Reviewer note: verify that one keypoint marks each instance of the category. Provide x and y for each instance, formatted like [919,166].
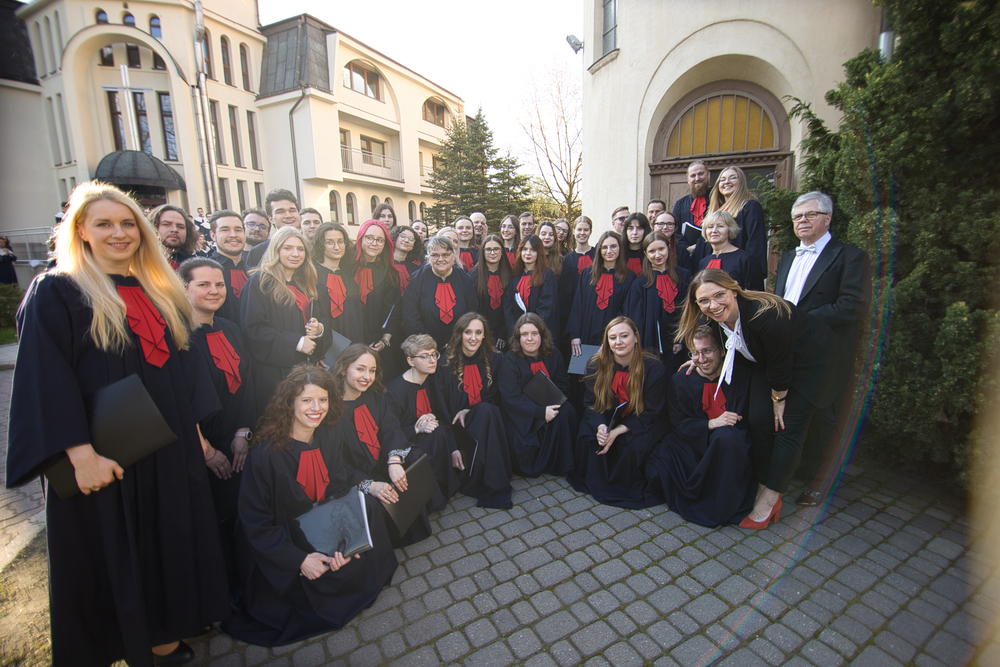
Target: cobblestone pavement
[887,575]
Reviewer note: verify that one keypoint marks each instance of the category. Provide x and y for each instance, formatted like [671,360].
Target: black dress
[739,264]
[704,475]
[235,275]
[541,300]
[138,563]
[337,298]
[432,305]
[618,477]
[281,606]
[370,433]
[550,449]
[656,310]
[489,482]
[492,306]
[408,402]
[8,274]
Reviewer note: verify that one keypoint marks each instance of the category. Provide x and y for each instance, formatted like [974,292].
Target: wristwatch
[246,433]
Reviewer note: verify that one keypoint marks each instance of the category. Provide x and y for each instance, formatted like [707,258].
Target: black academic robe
[587,320]
[408,402]
[682,213]
[370,460]
[489,481]
[177,257]
[543,301]
[424,312]
[739,264]
[280,605]
[257,253]
[492,307]
[337,298]
[633,258]
[703,475]
[469,257]
[8,274]
[549,450]
[236,276]
[271,332]
[656,318]
[753,233]
[568,281]
[137,563]
[380,305]
[618,477]
[412,266]
[578,262]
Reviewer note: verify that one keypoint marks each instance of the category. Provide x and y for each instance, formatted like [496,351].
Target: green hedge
[10,299]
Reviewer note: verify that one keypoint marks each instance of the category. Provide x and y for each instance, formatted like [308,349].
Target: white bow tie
[734,341]
[803,249]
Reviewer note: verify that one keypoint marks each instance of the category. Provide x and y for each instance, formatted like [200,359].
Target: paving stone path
[886,575]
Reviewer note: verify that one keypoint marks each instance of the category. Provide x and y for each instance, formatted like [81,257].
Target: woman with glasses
[540,437]
[731,193]
[511,235]
[337,293]
[411,400]
[533,287]
[563,235]
[492,275]
[719,229]
[409,249]
[439,294]
[378,286]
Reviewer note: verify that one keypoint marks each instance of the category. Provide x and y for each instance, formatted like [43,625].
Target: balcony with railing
[357,161]
[425,176]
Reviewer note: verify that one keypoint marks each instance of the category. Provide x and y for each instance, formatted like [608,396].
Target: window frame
[433,107]
[142,122]
[234,135]
[364,73]
[252,134]
[213,119]
[167,114]
[117,120]
[368,156]
[245,67]
[227,69]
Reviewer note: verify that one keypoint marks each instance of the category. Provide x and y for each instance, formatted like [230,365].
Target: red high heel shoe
[773,517]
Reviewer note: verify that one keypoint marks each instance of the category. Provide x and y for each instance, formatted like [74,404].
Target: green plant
[10,300]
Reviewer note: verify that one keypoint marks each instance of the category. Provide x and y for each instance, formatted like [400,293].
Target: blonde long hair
[75,259]
[735,204]
[272,281]
[604,373]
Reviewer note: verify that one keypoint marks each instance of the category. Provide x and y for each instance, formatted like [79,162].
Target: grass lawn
[7,335]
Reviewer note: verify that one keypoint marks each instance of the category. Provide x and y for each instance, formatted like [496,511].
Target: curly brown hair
[275,427]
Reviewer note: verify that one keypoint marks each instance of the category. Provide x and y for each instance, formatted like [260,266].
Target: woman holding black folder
[134,559]
[540,437]
[337,293]
[290,591]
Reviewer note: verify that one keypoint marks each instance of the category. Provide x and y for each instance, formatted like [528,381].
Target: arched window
[245,66]
[107,57]
[363,79]
[227,73]
[207,55]
[412,210]
[374,201]
[722,123]
[101,17]
[334,206]
[128,19]
[131,50]
[423,210]
[388,200]
[434,112]
[156,31]
[352,206]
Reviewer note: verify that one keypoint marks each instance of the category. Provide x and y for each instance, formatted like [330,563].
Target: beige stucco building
[667,81]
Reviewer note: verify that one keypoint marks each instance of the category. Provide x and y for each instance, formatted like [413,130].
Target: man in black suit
[691,209]
[826,278]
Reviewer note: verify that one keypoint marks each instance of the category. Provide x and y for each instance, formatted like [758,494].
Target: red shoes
[773,517]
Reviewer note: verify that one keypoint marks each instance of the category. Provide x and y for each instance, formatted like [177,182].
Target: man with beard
[257,228]
[310,220]
[691,209]
[283,211]
[176,232]
[227,232]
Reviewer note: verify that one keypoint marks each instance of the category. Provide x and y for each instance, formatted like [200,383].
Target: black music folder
[468,446]
[420,488]
[578,365]
[543,392]
[339,344]
[336,525]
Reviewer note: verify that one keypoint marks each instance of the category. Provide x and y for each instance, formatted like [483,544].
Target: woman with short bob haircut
[626,399]
[533,287]
[134,558]
[719,229]
[290,591]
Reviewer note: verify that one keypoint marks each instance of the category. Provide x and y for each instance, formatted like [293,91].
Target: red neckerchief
[713,405]
[225,359]
[667,290]
[367,430]
[363,277]
[404,276]
[585,261]
[620,385]
[423,403]
[605,289]
[635,265]
[301,300]
[466,256]
[472,384]
[173,264]
[313,476]
[338,294]
[444,299]
[237,279]
[511,256]
[145,322]
[539,366]
[524,289]
[714,263]
[495,289]
[698,206]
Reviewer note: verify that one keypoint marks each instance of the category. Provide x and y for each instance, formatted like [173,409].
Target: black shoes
[179,656]
[809,498]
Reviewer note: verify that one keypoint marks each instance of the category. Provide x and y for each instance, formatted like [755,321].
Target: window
[345,139]
[131,50]
[117,123]
[243,193]
[107,54]
[50,116]
[223,193]
[156,31]
[434,163]
[142,122]
[67,144]
[227,72]
[63,191]
[334,207]
[388,202]
[50,47]
[374,203]
[434,112]
[252,130]
[423,210]
[167,123]
[258,193]
[234,134]
[372,151]
[213,113]
[206,55]
[101,17]
[362,80]
[609,41]
[721,123]
[412,210]
[352,204]
[43,68]
[245,66]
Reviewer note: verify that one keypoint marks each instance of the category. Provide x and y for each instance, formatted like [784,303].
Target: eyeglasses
[718,298]
[373,240]
[491,251]
[621,218]
[334,244]
[444,255]
[808,215]
[428,356]
[707,352]
[256,225]
[404,239]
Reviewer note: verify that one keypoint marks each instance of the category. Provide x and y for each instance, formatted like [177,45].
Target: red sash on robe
[367,430]
[466,256]
[620,385]
[584,262]
[338,294]
[444,299]
[225,359]
[237,279]
[145,322]
[667,290]
[605,289]
[423,403]
[524,289]
[404,276]
[363,277]
[635,265]
[173,264]
[511,256]
[539,366]
[713,405]
[302,301]
[313,476]
[472,384]
[698,206]
[495,289]
[714,264]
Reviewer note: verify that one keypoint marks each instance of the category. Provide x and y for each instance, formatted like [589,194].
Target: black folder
[336,525]
[544,393]
[618,416]
[125,426]
[690,233]
[578,365]
[420,488]
[339,344]
[468,446]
